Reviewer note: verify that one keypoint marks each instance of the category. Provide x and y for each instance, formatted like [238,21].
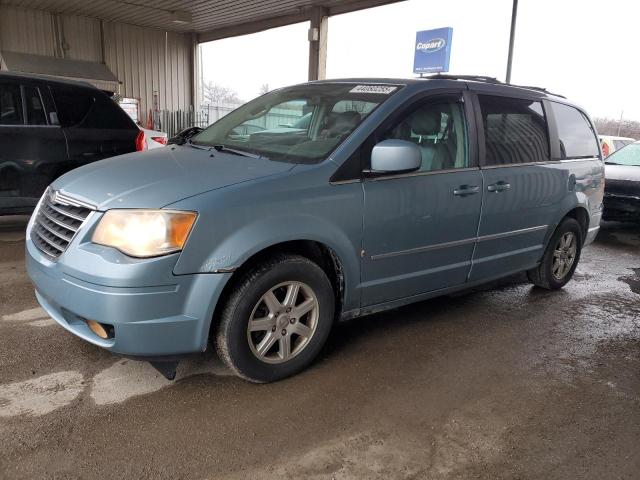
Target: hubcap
[564,255]
[283,322]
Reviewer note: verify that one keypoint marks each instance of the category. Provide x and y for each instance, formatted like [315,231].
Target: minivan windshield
[299,124]
[628,155]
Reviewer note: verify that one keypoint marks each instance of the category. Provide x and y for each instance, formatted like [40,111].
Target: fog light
[98,329]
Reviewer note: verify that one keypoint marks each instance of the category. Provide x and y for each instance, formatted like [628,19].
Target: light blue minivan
[393,191]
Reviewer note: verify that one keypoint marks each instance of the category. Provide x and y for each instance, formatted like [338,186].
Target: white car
[611,143]
[154,139]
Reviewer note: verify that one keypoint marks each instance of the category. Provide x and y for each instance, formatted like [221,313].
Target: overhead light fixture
[180,17]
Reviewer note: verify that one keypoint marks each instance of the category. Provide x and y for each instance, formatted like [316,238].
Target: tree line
[612,126]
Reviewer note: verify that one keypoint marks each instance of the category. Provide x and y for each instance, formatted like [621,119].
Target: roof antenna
[512,38]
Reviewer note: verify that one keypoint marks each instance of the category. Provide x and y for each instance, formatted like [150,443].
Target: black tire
[543,275]
[231,338]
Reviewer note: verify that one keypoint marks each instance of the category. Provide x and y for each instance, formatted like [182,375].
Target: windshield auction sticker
[381,89]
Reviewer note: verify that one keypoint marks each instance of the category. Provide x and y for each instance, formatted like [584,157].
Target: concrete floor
[502,382]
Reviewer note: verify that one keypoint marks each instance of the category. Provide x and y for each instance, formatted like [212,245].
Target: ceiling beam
[252,27]
[304,15]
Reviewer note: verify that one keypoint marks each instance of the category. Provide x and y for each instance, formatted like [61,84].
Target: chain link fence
[173,121]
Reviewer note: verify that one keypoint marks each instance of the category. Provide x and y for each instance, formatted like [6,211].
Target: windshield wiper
[223,148]
[197,145]
[611,163]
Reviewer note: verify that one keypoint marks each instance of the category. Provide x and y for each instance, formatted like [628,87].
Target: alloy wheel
[283,322]
[564,255]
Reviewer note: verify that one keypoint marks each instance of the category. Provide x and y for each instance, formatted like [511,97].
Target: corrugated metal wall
[147,61]
[26,31]
[150,62]
[81,36]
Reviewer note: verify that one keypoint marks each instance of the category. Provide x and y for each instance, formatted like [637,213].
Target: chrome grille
[57,221]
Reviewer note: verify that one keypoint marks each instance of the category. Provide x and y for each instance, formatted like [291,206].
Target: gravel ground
[506,382]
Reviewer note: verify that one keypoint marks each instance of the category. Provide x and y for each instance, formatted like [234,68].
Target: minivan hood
[162,176]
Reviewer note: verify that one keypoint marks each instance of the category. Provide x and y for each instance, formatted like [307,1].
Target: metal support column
[319,20]
[195,74]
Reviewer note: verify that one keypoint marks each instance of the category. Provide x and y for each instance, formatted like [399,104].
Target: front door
[420,228]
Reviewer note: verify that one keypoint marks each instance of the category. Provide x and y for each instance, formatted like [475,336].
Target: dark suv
[48,127]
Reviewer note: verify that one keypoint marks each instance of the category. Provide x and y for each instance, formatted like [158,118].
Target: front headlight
[144,233]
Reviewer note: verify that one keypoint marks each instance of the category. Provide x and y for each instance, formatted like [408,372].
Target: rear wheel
[276,320]
[561,257]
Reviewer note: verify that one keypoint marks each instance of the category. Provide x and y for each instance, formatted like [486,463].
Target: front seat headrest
[426,123]
[343,122]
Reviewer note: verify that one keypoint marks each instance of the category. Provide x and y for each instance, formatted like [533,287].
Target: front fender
[234,226]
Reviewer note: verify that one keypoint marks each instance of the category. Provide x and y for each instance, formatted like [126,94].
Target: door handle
[464,190]
[499,187]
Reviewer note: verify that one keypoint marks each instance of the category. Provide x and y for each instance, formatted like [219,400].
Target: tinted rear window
[577,138]
[105,113]
[515,130]
[85,109]
[10,105]
[72,105]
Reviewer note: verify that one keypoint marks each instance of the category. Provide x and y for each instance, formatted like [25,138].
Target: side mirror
[395,156]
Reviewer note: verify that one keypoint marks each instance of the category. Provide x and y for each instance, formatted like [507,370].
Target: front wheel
[560,258]
[276,320]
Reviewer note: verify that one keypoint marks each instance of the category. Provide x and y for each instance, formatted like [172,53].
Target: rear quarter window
[105,113]
[577,137]
[73,105]
[82,108]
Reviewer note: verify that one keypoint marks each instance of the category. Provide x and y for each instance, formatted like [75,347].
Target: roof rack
[477,78]
[485,79]
[539,89]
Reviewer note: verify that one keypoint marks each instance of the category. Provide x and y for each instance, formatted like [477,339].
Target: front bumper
[621,207]
[152,314]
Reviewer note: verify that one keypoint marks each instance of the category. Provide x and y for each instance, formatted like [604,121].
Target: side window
[10,105]
[35,110]
[72,105]
[577,138]
[515,130]
[620,143]
[439,130]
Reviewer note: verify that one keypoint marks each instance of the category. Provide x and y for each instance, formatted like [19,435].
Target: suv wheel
[561,257]
[276,320]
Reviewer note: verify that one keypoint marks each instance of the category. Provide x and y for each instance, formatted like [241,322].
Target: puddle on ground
[126,379]
[632,280]
[41,395]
